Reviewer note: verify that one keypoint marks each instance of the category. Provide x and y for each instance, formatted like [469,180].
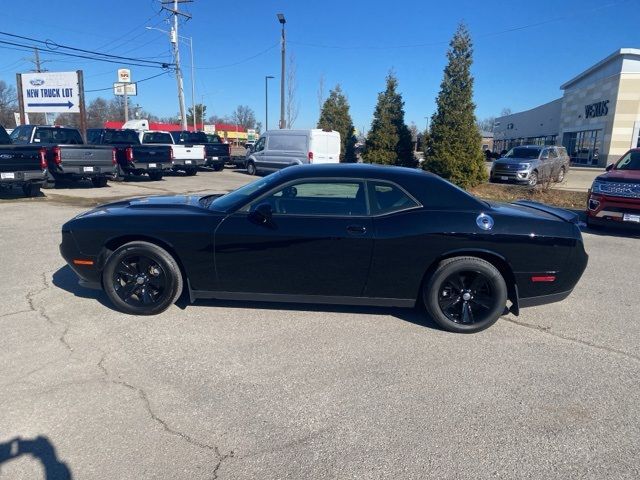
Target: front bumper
[89,276]
[609,210]
[511,176]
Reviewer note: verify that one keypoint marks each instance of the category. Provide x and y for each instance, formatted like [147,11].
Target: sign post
[83,111]
[124,77]
[20,99]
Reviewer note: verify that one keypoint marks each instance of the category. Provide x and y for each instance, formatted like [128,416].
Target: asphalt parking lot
[239,390]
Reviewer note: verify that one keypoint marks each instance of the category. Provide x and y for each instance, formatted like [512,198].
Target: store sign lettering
[599,109]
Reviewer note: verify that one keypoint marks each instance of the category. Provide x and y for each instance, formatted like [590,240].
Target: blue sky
[524,50]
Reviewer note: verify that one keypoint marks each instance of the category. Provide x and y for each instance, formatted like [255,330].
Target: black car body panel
[363,258]
[132,157]
[20,164]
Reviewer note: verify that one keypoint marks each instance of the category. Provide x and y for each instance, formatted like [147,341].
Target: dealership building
[597,119]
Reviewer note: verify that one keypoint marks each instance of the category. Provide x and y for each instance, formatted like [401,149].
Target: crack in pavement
[165,426]
[30,298]
[547,330]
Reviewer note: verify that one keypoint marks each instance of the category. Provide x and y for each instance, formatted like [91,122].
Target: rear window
[190,137]
[631,161]
[287,143]
[120,137]
[157,138]
[387,198]
[67,136]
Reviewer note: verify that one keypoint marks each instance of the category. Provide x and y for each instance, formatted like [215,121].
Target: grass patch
[550,196]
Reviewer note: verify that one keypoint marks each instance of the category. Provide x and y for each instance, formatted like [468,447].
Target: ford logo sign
[5,156]
[88,154]
[36,82]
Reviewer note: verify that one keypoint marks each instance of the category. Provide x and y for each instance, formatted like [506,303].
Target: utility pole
[266,102]
[176,53]
[282,21]
[38,69]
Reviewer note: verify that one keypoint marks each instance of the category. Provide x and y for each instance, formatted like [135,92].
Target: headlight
[524,166]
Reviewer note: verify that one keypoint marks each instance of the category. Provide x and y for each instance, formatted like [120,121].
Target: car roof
[352,170]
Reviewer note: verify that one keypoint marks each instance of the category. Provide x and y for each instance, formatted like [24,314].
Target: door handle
[357,229]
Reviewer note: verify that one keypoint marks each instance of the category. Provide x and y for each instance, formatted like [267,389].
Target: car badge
[36,82]
[484,221]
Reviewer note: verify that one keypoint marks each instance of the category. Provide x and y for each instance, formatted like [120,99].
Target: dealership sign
[49,92]
[598,109]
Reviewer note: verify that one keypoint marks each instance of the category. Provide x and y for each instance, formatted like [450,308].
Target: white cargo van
[276,149]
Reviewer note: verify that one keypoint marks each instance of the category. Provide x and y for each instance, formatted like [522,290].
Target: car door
[545,164]
[554,162]
[317,240]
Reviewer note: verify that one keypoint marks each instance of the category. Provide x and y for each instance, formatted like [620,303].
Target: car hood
[622,176]
[514,160]
[184,203]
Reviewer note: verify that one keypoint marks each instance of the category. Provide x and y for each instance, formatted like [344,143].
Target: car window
[260,145]
[523,152]
[631,161]
[553,153]
[324,198]
[386,198]
[93,136]
[21,134]
[288,143]
[157,138]
[121,137]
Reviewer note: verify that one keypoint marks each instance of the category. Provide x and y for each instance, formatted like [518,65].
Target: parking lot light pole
[282,21]
[266,101]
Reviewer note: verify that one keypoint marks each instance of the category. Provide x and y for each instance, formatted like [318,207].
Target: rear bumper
[189,162]
[216,161]
[87,171]
[150,166]
[25,177]
[607,210]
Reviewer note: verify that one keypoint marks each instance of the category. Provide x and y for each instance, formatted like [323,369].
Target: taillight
[114,157]
[129,154]
[310,157]
[42,154]
[57,156]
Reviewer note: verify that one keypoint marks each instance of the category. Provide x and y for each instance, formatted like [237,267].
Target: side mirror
[262,214]
[544,156]
[610,166]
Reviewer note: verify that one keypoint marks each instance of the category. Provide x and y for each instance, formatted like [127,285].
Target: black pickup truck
[21,165]
[132,157]
[216,153]
[67,156]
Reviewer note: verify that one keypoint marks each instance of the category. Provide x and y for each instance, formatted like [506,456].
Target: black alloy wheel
[141,278]
[465,294]
[251,168]
[191,171]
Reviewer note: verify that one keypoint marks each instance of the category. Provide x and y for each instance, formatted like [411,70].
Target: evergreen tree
[454,147]
[389,140]
[335,116]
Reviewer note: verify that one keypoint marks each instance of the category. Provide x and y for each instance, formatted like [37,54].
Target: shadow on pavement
[416,315]
[65,279]
[39,448]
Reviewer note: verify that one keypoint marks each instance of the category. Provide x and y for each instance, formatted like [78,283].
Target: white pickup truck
[186,158]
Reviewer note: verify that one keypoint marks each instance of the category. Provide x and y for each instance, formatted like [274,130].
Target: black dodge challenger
[342,234]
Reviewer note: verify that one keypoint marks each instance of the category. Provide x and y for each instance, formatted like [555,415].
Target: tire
[141,278]
[31,189]
[155,176]
[470,282]
[190,172]
[251,168]
[560,177]
[99,182]
[533,179]
[218,168]
[49,184]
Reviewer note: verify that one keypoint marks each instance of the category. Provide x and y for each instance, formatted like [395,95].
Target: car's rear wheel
[191,171]
[218,167]
[465,294]
[251,168]
[141,278]
[155,176]
[31,189]
[561,174]
[533,179]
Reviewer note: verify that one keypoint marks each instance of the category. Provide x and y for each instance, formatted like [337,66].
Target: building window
[583,146]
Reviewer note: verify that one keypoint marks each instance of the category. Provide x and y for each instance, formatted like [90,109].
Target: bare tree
[293,106]
[244,116]
[505,111]
[321,93]
[8,104]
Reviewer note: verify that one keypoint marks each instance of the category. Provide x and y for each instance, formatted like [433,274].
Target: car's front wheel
[465,294]
[560,176]
[141,278]
[251,168]
[533,179]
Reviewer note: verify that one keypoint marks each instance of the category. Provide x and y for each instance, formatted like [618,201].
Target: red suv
[614,197]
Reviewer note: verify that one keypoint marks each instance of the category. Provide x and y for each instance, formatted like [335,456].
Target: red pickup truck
[614,197]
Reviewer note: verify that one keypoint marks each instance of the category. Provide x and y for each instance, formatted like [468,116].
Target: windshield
[213,138]
[631,161]
[193,137]
[521,152]
[241,195]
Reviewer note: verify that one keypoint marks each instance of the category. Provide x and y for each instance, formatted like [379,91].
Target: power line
[240,61]
[139,81]
[53,48]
